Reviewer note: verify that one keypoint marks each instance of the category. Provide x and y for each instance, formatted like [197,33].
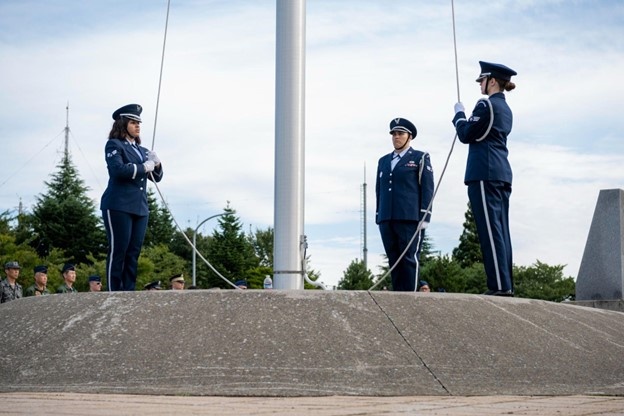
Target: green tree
[442,274]
[541,281]
[262,243]
[468,251]
[181,247]
[65,218]
[160,229]
[383,269]
[5,222]
[426,251]
[159,263]
[25,230]
[356,277]
[230,251]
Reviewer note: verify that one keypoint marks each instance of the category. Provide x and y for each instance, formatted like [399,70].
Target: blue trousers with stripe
[125,234]
[395,235]
[489,201]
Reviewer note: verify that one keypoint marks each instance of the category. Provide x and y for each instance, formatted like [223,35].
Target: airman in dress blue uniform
[124,202]
[488,172]
[404,190]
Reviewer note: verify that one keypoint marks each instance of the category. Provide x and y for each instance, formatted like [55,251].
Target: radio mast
[363,217]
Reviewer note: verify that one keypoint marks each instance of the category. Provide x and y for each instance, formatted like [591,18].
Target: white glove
[151,155]
[149,166]
[424,225]
[459,107]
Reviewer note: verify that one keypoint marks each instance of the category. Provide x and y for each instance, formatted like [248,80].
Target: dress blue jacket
[127,179]
[404,193]
[486,132]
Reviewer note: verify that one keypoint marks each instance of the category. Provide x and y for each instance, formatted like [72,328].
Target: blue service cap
[497,71]
[402,124]
[68,267]
[95,278]
[41,269]
[131,111]
[423,283]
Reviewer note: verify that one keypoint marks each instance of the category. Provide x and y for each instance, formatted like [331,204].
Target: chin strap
[406,140]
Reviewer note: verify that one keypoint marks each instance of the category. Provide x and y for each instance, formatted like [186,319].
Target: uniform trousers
[489,201]
[395,235]
[125,234]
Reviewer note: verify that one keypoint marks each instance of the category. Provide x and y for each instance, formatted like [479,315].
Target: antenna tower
[363,218]
[66,151]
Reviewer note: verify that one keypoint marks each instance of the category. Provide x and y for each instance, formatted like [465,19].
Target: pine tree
[65,217]
[160,229]
[468,251]
[230,252]
[356,277]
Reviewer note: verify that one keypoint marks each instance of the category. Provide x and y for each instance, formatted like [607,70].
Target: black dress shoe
[508,293]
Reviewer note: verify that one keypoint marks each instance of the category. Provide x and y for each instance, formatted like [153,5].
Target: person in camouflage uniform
[69,275]
[41,281]
[9,288]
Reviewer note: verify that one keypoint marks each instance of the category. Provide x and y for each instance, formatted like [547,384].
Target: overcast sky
[368,61]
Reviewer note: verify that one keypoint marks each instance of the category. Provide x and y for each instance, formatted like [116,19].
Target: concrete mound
[308,343]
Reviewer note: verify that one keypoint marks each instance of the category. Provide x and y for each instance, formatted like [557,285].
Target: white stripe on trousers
[489,228]
[111,248]
[417,262]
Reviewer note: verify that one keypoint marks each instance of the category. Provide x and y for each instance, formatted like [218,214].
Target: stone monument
[601,275]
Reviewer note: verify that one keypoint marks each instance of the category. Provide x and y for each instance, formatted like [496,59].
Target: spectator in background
[177,282]
[69,275]
[9,288]
[424,286]
[155,285]
[241,284]
[39,288]
[95,283]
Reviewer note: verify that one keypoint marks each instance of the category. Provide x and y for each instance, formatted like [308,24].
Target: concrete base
[312,343]
[610,305]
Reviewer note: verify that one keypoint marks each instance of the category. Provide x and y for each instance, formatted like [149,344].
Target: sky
[367,62]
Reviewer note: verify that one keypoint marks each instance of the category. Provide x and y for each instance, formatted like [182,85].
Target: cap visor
[400,128]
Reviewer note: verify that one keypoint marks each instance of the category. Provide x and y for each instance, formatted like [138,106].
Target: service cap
[11,265]
[131,111]
[177,278]
[498,71]
[402,124]
[155,285]
[41,269]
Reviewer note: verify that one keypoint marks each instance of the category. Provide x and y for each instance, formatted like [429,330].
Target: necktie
[395,160]
[138,152]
